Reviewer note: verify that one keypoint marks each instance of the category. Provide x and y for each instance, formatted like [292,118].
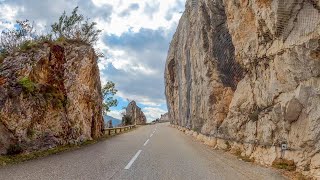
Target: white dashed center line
[132,160]
[138,153]
[146,142]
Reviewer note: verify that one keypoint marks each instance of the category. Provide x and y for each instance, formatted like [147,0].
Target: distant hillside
[115,121]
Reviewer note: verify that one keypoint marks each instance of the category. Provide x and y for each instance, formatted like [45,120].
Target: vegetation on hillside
[73,28]
[126,120]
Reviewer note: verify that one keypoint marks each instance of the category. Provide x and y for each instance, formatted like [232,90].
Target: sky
[135,40]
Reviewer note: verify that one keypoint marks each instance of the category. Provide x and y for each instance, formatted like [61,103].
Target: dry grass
[15,159]
[243,158]
[5,160]
[284,164]
[296,176]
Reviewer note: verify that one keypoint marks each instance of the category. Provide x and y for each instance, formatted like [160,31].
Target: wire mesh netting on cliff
[286,25]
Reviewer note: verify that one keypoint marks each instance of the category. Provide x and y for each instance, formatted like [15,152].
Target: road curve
[149,152]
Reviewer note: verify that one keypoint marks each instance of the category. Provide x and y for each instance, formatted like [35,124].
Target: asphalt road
[149,152]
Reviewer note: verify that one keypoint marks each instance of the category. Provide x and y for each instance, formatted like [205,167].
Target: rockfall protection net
[294,20]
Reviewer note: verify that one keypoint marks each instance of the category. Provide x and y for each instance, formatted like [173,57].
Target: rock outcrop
[136,115]
[164,117]
[50,95]
[248,73]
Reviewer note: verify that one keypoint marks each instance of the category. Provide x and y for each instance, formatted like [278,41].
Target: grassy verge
[15,159]
[243,158]
[284,164]
[296,175]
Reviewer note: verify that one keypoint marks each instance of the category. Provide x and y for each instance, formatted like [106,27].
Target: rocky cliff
[248,74]
[50,95]
[164,117]
[135,113]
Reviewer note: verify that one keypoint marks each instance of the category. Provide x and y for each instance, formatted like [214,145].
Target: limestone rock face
[137,116]
[164,117]
[201,72]
[49,96]
[270,92]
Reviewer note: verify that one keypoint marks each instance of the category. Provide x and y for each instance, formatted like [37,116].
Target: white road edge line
[146,142]
[151,135]
[132,160]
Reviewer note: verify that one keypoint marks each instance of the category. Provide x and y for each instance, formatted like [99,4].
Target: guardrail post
[118,130]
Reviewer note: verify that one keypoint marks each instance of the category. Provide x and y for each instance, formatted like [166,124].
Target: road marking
[132,160]
[153,132]
[146,142]
[151,135]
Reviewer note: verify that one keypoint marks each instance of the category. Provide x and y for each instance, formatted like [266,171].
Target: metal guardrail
[117,130]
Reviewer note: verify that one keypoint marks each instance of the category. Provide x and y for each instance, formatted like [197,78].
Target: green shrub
[31,133]
[27,85]
[74,27]
[3,55]
[284,164]
[45,38]
[12,39]
[243,158]
[246,159]
[126,120]
[27,45]
[196,129]
[61,40]
[14,149]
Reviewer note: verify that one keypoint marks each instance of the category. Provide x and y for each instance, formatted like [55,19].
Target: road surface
[149,152]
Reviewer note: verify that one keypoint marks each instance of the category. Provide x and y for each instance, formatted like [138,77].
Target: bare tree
[75,27]
[12,39]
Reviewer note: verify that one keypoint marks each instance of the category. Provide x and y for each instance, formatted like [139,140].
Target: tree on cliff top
[75,27]
[108,91]
[23,36]
[12,39]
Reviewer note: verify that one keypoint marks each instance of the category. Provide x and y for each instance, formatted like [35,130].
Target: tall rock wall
[50,95]
[201,71]
[135,113]
[248,72]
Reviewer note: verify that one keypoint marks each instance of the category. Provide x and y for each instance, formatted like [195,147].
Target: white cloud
[140,18]
[144,100]
[116,114]
[7,12]
[153,113]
